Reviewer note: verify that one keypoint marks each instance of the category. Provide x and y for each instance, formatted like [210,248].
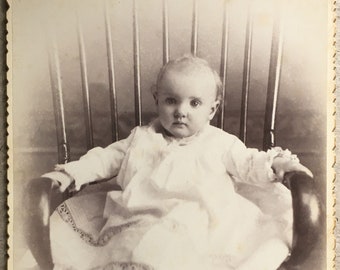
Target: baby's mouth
[179,123]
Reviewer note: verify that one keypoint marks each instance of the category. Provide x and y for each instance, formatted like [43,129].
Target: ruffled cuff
[262,170]
[60,179]
[278,152]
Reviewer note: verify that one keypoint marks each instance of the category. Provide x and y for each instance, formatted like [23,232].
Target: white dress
[178,208]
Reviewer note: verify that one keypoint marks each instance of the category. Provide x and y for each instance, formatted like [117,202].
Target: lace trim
[125,266]
[102,240]
[114,266]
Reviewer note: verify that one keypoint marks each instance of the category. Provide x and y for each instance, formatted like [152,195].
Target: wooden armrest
[40,201]
[307,217]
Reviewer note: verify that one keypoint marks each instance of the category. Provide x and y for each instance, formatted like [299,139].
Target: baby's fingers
[299,168]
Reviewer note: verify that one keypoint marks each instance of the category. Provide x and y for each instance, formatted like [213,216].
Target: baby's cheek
[167,112]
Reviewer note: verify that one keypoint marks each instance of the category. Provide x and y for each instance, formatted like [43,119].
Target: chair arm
[306,216]
[40,199]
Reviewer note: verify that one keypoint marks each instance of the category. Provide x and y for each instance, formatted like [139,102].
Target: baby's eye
[170,101]
[195,103]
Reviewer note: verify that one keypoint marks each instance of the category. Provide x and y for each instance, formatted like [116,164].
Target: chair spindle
[58,102]
[223,68]
[137,83]
[194,29]
[273,84]
[112,85]
[246,78]
[85,87]
[166,50]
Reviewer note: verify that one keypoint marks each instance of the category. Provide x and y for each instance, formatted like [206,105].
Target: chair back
[273,84]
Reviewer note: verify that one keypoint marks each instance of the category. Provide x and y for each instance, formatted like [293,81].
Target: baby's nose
[181,111]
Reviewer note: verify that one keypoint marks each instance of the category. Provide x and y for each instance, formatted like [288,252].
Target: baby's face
[186,102]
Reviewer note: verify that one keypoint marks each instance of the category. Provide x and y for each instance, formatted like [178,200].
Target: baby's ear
[154,93]
[214,108]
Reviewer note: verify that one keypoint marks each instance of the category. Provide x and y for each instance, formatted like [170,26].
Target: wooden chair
[43,199]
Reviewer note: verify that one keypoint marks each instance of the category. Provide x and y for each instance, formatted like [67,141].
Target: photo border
[333,186]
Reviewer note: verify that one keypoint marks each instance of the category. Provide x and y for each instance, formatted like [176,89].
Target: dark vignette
[3,133]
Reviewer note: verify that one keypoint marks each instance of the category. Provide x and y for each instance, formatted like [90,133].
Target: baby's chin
[179,133]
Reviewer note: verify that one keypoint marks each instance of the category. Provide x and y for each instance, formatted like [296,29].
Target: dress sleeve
[98,163]
[251,165]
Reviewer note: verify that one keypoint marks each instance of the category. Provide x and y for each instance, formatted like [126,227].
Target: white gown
[204,202]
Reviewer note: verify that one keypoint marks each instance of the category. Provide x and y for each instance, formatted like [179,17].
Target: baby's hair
[188,63]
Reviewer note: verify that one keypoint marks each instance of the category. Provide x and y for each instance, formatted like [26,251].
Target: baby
[178,208]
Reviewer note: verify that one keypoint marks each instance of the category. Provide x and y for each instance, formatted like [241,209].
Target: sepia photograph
[170,134]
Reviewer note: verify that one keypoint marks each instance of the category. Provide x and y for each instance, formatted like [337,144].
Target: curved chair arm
[40,199]
[307,217]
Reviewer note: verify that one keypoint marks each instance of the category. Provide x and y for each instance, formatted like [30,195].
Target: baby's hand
[281,165]
[59,179]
